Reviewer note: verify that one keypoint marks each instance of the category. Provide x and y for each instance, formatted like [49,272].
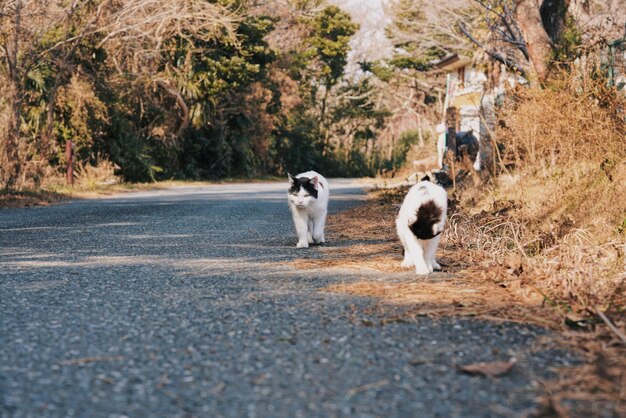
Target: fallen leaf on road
[85,360]
[491,369]
[217,388]
[366,387]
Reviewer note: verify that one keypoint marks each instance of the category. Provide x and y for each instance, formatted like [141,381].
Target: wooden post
[69,158]
[420,134]
[451,125]
[451,145]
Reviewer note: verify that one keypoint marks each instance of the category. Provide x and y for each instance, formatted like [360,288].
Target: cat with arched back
[308,200]
[420,223]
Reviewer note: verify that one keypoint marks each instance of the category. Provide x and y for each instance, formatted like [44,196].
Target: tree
[35,34]
[42,44]
[331,32]
[526,35]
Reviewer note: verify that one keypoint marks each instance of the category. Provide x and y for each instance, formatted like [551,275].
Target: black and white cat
[420,223]
[308,200]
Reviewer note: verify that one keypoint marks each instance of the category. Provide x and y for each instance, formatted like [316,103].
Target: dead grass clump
[94,176]
[546,128]
[568,269]
[559,206]
[567,148]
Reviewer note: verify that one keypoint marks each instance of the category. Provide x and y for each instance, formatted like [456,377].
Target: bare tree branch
[493,54]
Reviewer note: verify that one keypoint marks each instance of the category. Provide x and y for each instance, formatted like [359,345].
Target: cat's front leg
[416,253]
[318,229]
[408,261]
[301,223]
[429,252]
[402,231]
[421,269]
[309,233]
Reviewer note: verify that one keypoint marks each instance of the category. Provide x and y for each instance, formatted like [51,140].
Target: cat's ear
[315,182]
[291,179]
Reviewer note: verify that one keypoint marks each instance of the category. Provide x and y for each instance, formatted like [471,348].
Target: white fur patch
[420,253]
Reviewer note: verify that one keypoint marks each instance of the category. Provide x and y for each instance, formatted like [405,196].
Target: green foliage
[381,70]
[332,30]
[214,79]
[296,144]
[405,142]
[566,48]
[410,62]
[412,54]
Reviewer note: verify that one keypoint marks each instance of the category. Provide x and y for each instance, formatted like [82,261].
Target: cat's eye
[307,195]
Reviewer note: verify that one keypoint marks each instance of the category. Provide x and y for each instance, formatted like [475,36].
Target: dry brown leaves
[492,369]
[599,382]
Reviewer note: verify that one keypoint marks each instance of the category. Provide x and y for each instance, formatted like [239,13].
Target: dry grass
[564,201]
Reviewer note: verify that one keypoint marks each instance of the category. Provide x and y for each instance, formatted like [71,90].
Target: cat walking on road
[420,223]
[308,200]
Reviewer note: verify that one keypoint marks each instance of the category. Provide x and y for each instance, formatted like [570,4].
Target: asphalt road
[176,303]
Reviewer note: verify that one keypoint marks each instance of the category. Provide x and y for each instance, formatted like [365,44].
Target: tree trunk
[46,137]
[528,16]
[12,163]
[322,120]
[13,99]
[552,16]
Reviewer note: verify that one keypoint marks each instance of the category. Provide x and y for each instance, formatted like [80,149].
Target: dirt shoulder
[58,194]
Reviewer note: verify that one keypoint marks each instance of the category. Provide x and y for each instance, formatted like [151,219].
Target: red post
[69,158]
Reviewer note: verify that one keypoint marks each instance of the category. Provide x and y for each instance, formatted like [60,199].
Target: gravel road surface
[178,303]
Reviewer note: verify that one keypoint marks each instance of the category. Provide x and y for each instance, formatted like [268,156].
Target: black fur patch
[467,143]
[427,215]
[303,182]
[425,178]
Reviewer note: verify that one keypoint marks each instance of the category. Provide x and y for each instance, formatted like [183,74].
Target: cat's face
[302,191]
